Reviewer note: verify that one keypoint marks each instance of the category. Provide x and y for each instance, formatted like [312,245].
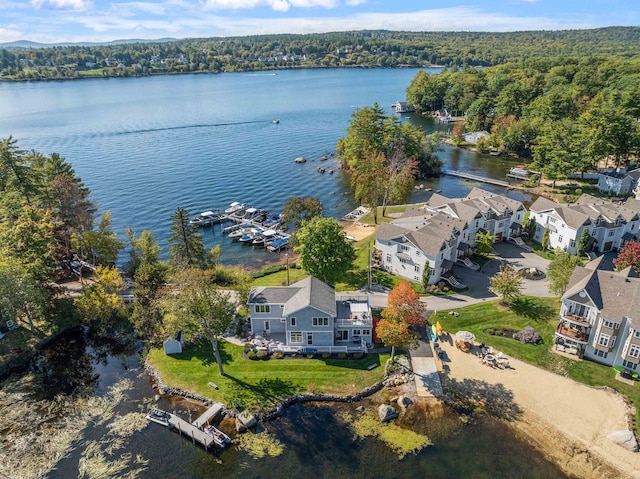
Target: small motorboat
[234,207]
[275,121]
[242,230]
[205,218]
[278,244]
[159,416]
[271,221]
[219,437]
[248,238]
[264,238]
[300,159]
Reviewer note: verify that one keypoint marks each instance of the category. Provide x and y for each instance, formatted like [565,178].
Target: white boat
[278,244]
[159,416]
[233,207]
[264,238]
[242,230]
[219,437]
[250,214]
[205,218]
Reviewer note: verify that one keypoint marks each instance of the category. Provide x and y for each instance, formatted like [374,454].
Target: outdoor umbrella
[465,336]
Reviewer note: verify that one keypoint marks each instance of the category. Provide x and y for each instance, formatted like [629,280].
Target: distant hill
[27,44]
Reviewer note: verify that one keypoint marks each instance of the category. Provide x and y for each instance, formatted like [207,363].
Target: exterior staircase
[517,240]
[469,264]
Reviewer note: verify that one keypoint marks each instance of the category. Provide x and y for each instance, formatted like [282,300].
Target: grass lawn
[368,218]
[280,278]
[256,383]
[542,315]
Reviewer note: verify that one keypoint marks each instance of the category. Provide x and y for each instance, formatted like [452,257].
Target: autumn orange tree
[404,309]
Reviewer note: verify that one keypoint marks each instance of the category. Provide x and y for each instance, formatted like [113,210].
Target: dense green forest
[565,114]
[346,49]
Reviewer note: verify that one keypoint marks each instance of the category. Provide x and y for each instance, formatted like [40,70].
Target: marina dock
[482,179]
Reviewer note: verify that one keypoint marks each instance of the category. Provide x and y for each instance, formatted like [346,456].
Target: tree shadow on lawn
[361,364]
[203,351]
[494,398]
[533,309]
[266,392]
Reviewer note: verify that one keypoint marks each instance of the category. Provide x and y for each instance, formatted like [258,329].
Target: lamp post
[286,255]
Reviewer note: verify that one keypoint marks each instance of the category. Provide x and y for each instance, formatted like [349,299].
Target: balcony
[577,334]
[576,319]
[356,321]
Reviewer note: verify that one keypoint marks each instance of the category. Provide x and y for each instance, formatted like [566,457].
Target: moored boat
[219,437]
[241,230]
[264,238]
[278,243]
[159,416]
[205,218]
[234,207]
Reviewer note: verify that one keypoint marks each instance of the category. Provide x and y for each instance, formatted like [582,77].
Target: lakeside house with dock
[426,243]
[309,315]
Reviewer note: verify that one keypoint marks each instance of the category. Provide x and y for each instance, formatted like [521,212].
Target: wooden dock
[185,429]
[471,176]
[210,413]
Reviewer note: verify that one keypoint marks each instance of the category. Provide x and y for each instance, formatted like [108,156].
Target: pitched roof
[425,237]
[307,292]
[615,294]
[543,204]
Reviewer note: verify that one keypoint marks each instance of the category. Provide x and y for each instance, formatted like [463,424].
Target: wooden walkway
[212,412]
[185,429]
[471,176]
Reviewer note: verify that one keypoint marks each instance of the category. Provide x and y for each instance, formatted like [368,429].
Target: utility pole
[286,255]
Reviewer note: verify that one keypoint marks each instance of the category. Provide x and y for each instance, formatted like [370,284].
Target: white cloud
[355,3]
[133,8]
[10,34]
[277,5]
[78,5]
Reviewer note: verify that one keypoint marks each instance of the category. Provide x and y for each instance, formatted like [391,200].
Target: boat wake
[179,127]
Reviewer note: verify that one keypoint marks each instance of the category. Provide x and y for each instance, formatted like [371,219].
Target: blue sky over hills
[51,21]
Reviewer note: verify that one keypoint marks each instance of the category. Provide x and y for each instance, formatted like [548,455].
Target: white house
[610,225]
[308,314]
[173,346]
[600,316]
[618,181]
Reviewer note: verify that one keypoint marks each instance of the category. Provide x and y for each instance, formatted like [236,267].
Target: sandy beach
[569,420]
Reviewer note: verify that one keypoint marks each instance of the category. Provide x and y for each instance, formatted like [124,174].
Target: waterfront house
[426,243]
[473,137]
[309,314]
[618,181]
[402,107]
[610,225]
[600,316]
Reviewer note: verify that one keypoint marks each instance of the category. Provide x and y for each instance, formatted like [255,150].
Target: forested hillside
[345,49]
[566,114]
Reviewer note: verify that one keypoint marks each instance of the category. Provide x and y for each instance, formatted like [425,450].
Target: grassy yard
[368,218]
[541,314]
[280,278]
[258,383]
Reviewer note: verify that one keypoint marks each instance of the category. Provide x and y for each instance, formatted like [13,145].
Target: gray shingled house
[309,314]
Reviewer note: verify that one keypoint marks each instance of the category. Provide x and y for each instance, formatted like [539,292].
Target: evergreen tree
[186,248]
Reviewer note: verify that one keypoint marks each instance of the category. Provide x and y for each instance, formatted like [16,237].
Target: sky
[51,21]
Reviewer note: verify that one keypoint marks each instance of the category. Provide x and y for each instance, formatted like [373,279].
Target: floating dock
[471,176]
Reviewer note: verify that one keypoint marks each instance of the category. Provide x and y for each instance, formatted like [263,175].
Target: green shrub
[311,356]
[262,354]
[342,355]
[278,355]
[252,355]
[326,355]
[358,355]
[578,191]
[270,269]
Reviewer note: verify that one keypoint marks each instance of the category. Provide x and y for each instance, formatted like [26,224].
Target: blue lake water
[148,145]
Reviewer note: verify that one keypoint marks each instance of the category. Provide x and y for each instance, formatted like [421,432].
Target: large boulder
[404,402]
[387,413]
[245,420]
[625,439]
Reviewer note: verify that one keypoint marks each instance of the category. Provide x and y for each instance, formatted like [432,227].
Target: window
[417,278]
[404,260]
[320,321]
[629,365]
[560,239]
[637,334]
[634,351]
[611,233]
[417,268]
[267,326]
[388,258]
[633,225]
[295,337]
[366,332]
[552,220]
[356,332]
[500,224]
[602,354]
[263,308]
[604,340]
[293,322]
[404,247]
[609,324]
[477,222]
[342,335]
[309,338]
[572,243]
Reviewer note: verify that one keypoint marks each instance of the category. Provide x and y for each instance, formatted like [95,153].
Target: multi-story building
[425,243]
[600,316]
[309,314]
[610,224]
